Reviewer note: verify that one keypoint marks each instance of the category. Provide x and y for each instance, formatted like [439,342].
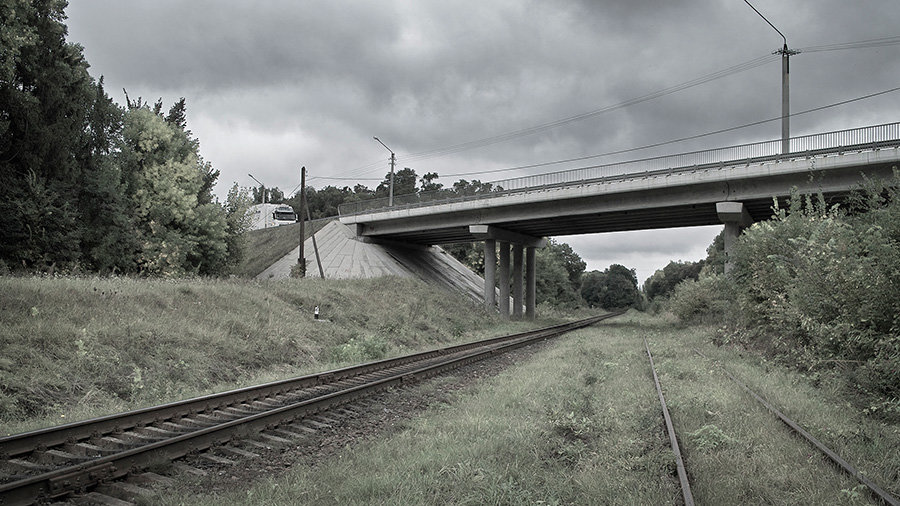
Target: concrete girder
[483,232]
[533,212]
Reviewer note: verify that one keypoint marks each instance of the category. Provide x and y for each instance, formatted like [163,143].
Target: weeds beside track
[58,461]
[840,463]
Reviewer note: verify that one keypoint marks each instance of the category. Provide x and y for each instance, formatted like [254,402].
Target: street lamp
[265,218]
[393,159]
[785,85]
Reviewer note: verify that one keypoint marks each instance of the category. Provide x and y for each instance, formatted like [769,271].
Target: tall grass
[575,425]
[579,423]
[72,348]
[265,246]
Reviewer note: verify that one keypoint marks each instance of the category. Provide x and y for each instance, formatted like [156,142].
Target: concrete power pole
[785,96]
[785,85]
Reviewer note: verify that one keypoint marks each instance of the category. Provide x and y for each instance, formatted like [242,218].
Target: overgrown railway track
[59,461]
[684,482]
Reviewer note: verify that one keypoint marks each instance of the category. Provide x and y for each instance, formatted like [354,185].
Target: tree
[109,242]
[615,287]
[404,183]
[553,285]
[272,195]
[571,262]
[179,232]
[428,183]
[715,254]
[475,187]
[46,94]
[593,288]
[662,282]
[237,221]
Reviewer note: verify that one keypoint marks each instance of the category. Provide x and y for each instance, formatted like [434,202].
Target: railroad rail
[673,439]
[59,461]
[841,463]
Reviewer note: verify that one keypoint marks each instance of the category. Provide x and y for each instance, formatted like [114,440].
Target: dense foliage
[662,283]
[90,185]
[818,285]
[615,287]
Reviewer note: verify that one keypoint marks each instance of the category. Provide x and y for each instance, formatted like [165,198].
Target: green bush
[823,286]
[706,300]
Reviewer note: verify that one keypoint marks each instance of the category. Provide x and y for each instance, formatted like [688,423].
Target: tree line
[89,185]
[324,202]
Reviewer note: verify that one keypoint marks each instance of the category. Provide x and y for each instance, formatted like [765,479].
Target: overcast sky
[275,85]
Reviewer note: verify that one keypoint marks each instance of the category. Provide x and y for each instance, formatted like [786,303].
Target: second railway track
[58,461]
[841,464]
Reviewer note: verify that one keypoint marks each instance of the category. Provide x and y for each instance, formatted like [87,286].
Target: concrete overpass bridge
[733,185]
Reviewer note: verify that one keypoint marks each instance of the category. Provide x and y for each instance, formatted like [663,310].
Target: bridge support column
[529,283]
[504,279]
[736,218]
[523,245]
[517,281]
[490,269]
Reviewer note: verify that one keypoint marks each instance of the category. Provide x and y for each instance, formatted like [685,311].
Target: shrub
[823,286]
[707,300]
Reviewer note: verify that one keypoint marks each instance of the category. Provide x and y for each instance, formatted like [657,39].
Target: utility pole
[302,260]
[785,96]
[393,160]
[785,85]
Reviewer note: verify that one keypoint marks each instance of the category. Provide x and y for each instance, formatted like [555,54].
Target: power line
[884,41]
[455,148]
[880,42]
[673,141]
[756,62]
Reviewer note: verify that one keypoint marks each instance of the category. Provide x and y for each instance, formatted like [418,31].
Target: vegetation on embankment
[73,348]
[819,287]
[266,246]
[580,423]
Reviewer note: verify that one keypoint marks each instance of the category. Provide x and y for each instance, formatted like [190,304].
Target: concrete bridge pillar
[529,283]
[523,268]
[504,279]
[736,218]
[517,281]
[490,269]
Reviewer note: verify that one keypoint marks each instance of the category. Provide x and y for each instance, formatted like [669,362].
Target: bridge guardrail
[871,137]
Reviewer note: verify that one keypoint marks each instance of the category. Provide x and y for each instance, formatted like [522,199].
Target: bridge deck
[661,198]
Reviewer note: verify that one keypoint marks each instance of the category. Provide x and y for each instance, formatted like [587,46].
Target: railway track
[59,461]
[684,482]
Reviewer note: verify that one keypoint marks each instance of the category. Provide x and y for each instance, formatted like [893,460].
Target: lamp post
[393,160]
[265,220]
[785,85]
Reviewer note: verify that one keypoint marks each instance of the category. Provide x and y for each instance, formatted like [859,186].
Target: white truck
[271,215]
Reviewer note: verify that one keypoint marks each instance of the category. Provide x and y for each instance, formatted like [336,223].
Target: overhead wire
[672,141]
[353,174]
[879,42]
[756,62]
[476,143]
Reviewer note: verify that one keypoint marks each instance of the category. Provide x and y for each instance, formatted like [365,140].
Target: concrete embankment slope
[343,256]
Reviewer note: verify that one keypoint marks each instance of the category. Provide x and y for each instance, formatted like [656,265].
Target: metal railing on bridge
[855,139]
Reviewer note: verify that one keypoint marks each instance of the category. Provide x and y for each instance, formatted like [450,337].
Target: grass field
[579,423]
[74,348]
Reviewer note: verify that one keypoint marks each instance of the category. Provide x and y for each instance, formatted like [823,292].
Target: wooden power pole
[302,260]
